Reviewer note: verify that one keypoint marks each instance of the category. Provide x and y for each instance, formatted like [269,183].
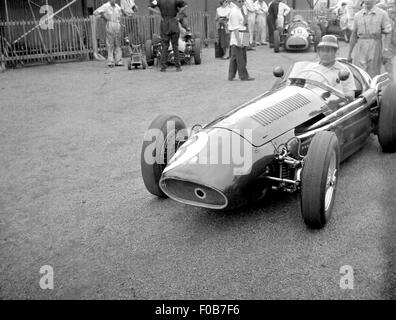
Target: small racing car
[298,35]
[137,56]
[292,138]
[189,49]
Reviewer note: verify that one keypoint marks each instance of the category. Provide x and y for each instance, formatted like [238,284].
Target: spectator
[111,13]
[239,42]
[283,11]
[387,60]
[261,19]
[342,15]
[251,19]
[367,48]
[222,17]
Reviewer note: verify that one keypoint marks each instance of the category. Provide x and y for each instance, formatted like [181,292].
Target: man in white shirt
[283,11]
[261,19]
[111,13]
[251,16]
[330,68]
[238,59]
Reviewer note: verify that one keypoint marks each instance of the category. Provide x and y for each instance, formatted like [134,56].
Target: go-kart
[298,35]
[137,56]
[291,138]
[189,48]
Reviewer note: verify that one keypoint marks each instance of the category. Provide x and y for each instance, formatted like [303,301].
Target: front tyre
[148,46]
[387,119]
[319,179]
[165,131]
[197,51]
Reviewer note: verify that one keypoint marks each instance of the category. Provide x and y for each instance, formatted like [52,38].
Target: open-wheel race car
[189,48]
[298,35]
[292,138]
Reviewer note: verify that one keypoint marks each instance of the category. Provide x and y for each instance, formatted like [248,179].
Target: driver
[330,68]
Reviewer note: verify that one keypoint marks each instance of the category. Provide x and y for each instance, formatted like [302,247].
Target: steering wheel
[317,72]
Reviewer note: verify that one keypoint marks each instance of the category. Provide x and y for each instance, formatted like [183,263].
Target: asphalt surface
[72,197]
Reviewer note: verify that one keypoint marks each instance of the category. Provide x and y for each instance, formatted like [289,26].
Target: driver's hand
[349,58]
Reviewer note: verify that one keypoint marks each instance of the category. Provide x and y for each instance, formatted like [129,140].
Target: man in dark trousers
[273,10]
[169,29]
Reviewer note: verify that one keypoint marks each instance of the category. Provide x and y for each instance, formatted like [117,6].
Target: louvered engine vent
[280,109]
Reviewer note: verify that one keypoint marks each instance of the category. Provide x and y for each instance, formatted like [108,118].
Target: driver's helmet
[329,40]
[298,18]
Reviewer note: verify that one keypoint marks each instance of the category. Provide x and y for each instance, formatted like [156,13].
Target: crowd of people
[241,25]
[244,24]
[261,19]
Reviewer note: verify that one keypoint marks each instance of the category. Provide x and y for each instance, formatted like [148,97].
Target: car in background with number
[298,35]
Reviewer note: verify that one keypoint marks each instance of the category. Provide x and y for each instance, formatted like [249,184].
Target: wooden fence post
[96,54]
[2,63]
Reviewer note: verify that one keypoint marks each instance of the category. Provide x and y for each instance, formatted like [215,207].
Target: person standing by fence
[367,48]
[239,42]
[170,31]
[129,9]
[223,34]
[388,60]
[261,20]
[251,18]
[342,15]
[111,13]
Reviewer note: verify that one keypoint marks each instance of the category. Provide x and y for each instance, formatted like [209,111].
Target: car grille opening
[193,193]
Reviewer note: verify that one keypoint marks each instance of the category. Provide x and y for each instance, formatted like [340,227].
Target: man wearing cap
[329,67]
[366,49]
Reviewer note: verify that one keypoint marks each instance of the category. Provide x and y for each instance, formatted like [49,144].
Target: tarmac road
[72,197]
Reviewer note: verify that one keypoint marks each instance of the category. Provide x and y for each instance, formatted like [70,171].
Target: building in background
[28,9]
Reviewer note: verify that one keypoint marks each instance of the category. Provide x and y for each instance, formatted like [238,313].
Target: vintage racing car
[292,137]
[297,36]
[189,48]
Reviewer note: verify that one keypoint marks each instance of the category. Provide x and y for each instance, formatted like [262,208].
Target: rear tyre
[276,40]
[387,120]
[197,51]
[149,52]
[155,154]
[319,179]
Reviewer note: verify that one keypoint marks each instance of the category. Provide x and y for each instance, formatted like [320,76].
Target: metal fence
[25,42]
